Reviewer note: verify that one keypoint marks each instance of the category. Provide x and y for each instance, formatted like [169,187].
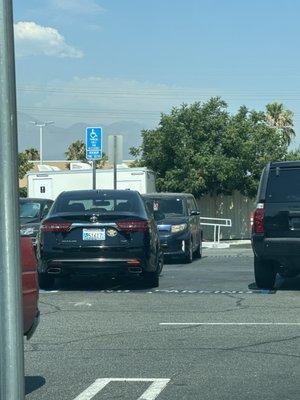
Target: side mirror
[194,213]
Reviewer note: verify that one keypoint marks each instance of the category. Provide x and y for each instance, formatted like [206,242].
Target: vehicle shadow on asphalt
[281,284]
[179,261]
[98,284]
[33,383]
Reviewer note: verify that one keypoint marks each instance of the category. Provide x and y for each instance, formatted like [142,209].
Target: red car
[30,286]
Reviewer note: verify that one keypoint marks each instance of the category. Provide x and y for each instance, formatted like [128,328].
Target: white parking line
[156,387]
[230,323]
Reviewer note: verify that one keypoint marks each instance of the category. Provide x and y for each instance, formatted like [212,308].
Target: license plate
[93,234]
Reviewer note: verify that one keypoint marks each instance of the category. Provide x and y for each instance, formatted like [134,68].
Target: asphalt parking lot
[205,333]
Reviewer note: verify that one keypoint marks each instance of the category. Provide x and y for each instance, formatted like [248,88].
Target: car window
[95,202]
[191,205]
[169,206]
[283,185]
[30,210]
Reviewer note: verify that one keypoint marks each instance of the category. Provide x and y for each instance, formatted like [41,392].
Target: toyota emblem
[94,218]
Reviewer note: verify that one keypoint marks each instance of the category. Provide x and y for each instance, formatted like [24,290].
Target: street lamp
[41,126]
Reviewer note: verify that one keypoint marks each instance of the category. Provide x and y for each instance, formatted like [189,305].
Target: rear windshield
[99,202]
[283,185]
[169,206]
[30,210]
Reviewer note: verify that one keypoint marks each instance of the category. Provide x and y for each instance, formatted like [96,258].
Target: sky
[108,61]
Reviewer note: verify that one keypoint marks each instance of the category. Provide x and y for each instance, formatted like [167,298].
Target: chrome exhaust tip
[54,270]
[135,270]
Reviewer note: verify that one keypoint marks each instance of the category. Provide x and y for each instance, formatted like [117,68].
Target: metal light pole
[11,322]
[41,126]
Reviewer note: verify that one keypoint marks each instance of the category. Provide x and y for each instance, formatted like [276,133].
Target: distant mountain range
[56,139]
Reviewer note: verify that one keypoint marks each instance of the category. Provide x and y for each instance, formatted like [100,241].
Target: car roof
[285,164]
[90,191]
[33,199]
[167,194]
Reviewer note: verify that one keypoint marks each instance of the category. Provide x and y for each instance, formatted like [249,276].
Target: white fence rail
[217,223]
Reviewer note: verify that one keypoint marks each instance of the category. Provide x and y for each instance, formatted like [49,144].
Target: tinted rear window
[99,202]
[283,185]
[169,206]
[29,210]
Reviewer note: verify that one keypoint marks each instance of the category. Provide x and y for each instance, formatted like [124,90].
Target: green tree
[201,148]
[24,164]
[33,154]
[77,151]
[282,119]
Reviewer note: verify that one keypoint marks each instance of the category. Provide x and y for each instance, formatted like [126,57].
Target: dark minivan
[178,221]
[276,223]
[99,232]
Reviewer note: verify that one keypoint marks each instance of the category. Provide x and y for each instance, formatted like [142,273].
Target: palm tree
[281,118]
[32,154]
[76,151]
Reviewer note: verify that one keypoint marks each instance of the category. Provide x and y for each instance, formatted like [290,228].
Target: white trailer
[51,183]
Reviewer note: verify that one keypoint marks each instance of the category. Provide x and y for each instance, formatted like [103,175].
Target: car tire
[151,279]
[188,257]
[265,273]
[198,252]
[46,281]
[160,262]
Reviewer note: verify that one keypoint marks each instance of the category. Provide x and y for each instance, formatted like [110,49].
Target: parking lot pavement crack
[53,306]
[266,342]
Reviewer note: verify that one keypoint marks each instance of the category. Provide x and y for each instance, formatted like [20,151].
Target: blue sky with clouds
[138,58]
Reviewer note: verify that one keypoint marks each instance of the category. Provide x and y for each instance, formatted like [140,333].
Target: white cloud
[33,39]
[79,6]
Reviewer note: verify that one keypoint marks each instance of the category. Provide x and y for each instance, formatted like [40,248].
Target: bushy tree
[202,148]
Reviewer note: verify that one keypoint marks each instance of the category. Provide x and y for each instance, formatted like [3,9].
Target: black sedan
[99,232]
[32,211]
[178,220]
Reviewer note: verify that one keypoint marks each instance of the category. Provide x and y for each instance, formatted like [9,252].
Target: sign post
[94,148]
[11,321]
[115,153]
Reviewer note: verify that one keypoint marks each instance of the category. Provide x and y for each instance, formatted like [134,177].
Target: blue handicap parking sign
[93,143]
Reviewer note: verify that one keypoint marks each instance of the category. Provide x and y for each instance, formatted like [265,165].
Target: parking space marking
[156,387]
[199,291]
[230,323]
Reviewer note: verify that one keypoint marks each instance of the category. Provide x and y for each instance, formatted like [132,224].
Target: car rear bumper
[97,261]
[35,324]
[276,248]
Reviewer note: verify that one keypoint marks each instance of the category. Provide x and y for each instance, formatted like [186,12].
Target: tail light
[259,219]
[133,262]
[52,226]
[133,226]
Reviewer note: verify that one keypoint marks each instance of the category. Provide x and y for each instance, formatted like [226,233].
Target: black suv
[178,221]
[276,223]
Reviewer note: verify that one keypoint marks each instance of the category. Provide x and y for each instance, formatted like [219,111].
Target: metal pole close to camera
[115,162]
[11,321]
[94,175]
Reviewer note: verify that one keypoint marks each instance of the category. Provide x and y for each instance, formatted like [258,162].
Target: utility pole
[11,321]
[41,126]
[115,162]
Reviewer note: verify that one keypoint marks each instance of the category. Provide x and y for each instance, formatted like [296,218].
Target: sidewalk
[225,244]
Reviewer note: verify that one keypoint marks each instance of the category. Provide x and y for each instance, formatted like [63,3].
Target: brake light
[133,226]
[51,226]
[259,219]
